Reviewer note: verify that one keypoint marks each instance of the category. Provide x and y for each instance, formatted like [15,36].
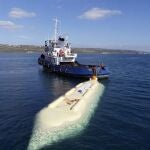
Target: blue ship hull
[76,70]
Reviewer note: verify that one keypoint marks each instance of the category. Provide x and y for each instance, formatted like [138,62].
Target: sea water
[121,119]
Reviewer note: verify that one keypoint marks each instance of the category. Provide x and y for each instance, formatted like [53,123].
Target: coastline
[34,48]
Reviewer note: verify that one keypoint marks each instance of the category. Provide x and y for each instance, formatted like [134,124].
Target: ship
[58,57]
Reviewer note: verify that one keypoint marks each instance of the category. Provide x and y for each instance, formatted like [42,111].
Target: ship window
[57,46]
[68,58]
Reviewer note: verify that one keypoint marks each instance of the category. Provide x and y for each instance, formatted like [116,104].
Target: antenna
[60,27]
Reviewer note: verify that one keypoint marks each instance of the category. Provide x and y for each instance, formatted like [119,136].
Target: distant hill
[28,48]
[105,51]
[19,48]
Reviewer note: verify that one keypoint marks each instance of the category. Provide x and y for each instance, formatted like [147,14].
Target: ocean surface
[121,120]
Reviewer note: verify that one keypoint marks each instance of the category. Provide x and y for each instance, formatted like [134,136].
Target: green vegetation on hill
[19,48]
[104,51]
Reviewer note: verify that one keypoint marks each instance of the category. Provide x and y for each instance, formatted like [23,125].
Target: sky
[116,24]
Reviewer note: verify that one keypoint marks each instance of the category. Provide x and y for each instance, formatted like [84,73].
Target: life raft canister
[61,53]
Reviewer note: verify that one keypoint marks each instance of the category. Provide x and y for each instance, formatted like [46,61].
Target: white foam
[43,132]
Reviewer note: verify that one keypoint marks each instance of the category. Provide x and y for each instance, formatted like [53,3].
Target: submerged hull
[67,116]
[76,70]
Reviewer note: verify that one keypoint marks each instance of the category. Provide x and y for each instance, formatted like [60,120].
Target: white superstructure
[58,50]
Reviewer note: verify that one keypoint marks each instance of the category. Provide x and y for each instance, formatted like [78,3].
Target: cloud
[9,25]
[20,13]
[99,13]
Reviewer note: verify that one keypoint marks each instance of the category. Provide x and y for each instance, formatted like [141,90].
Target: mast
[56,25]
